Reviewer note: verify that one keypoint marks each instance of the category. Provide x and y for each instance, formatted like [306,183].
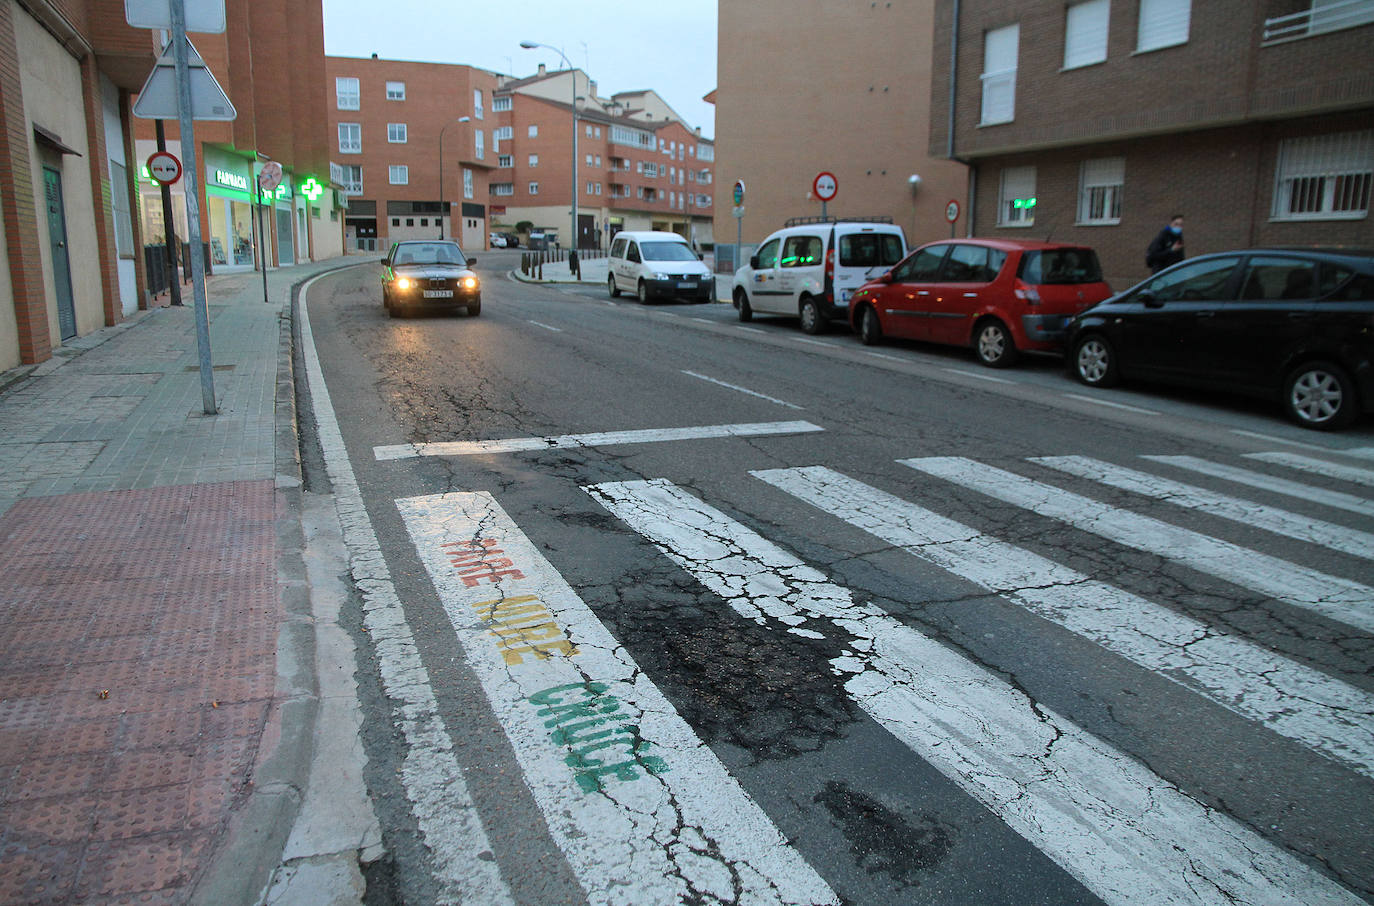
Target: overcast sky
[669,47]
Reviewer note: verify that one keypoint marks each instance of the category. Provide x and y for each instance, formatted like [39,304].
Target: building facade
[806,86]
[1096,121]
[396,128]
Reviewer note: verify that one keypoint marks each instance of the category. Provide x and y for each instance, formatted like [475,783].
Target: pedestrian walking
[1166,248]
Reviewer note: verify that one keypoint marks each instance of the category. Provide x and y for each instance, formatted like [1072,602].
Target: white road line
[545,326]
[1271,519]
[602,439]
[1269,438]
[1334,598]
[464,869]
[643,810]
[980,376]
[703,321]
[1337,499]
[882,355]
[1357,452]
[751,329]
[1102,402]
[609,302]
[813,342]
[1102,815]
[744,390]
[1324,714]
[1353,474]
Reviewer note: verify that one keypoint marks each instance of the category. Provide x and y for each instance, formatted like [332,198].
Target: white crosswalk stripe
[1107,819]
[1335,598]
[1317,467]
[1327,715]
[1336,499]
[1271,519]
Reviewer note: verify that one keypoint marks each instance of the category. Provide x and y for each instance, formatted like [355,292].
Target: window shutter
[1085,33]
[999,74]
[1163,23]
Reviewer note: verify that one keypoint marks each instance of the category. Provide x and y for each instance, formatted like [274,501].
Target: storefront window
[241,219]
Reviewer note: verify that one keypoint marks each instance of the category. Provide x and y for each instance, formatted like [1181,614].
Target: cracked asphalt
[776,666]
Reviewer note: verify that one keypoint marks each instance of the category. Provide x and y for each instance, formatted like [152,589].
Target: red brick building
[1095,121]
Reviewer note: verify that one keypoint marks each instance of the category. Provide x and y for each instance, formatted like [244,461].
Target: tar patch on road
[883,841]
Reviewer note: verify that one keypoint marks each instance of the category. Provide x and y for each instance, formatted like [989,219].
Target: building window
[352,179]
[534,130]
[589,160]
[999,75]
[410,221]
[589,130]
[1016,197]
[1325,177]
[479,144]
[424,221]
[396,133]
[500,105]
[1099,190]
[503,134]
[350,138]
[398,174]
[503,188]
[590,187]
[477,103]
[504,160]
[1163,23]
[598,131]
[395,91]
[346,93]
[123,215]
[598,160]
[534,188]
[534,160]
[706,152]
[1085,33]
[598,188]
[395,221]
[467,183]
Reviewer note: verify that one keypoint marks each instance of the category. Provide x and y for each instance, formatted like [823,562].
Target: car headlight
[660,276]
[469,283]
[402,283]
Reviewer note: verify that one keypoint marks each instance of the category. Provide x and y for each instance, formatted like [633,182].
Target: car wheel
[1094,361]
[474,308]
[746,312]
[812,321]
[611,287]
[643,293]
[1320,395]
[870,328]
[993,344]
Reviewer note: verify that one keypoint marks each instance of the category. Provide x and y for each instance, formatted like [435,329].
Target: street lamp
[530,45]
[443,207]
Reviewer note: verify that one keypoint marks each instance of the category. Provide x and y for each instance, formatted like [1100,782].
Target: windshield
[667,251]
[870,250]
[1061,266]
[428,253]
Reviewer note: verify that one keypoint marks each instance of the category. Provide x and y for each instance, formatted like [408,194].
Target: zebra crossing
[645,813]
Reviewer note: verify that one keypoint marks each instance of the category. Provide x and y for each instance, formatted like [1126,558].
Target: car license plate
[438,294]
[687,284]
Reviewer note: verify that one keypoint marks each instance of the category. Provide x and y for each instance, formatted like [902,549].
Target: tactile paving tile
[138,635]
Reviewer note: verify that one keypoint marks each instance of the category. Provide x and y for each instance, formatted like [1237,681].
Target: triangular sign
[158,99]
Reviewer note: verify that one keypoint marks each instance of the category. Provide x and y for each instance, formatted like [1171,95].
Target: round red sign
[826,186]
[164,167]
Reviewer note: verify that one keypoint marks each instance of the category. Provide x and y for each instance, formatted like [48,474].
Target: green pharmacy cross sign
[311,189]
[1023,202]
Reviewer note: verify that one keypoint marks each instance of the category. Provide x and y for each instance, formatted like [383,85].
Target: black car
[429,274]
[512,240]
[1292,325]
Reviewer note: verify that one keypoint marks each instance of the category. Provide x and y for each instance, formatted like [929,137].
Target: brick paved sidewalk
[140,608]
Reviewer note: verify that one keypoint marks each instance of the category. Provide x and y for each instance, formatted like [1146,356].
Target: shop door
[586,231]
[285,248]
[61,264]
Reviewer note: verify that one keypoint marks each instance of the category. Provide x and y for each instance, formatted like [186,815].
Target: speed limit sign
[952,211]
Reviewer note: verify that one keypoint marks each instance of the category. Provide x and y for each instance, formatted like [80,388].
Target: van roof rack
[801,221]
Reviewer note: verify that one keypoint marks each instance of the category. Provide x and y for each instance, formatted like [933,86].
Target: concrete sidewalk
[168,604]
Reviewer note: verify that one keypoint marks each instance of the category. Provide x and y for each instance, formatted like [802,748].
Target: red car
[1000,296]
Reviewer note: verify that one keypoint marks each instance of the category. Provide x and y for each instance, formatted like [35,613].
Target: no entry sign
[164,167]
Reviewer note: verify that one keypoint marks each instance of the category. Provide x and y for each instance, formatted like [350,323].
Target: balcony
[1324,16]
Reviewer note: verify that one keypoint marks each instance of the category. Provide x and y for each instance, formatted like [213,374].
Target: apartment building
[415,144]
[639,166]
[76,211]
[806,86]
[1095,121]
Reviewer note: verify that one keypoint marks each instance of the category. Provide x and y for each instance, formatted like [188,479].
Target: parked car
[429,274]
[1283,324]
[512,240]
[1000,296]
[496,240]
[655,265]
[809,269]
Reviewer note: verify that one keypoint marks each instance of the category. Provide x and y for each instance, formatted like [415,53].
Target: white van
[654,265]
[809,269]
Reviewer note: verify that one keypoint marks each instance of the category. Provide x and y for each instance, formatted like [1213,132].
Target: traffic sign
[158,99]
[164,167]
[825,186]
[201,15]
[952,211]
[739,192]
[737,211]
[270,177]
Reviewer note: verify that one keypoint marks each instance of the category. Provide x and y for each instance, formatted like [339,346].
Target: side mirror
[754,261]
[701,256]
[472,259]
[886,278]
[1148,299]
[384,261]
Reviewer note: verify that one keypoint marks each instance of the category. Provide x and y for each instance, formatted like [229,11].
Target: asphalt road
[866,644]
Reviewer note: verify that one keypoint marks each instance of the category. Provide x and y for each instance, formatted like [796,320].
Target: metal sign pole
[169,224]
[262,240]
[192,169]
